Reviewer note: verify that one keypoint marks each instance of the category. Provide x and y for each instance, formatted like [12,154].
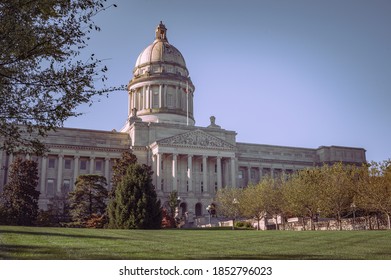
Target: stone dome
[161,90]
[160,51]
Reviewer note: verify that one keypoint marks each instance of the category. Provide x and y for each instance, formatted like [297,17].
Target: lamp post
[353,206]
[235,203]
[209,209]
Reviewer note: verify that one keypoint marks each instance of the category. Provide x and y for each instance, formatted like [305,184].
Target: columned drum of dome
[161,90]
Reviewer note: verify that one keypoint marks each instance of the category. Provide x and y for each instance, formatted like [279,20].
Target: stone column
[158,171]
[174,172]
[43,175]
[260,173]
[272,172]
[248,175]
[205,172]
[75,169]
[107,170]
[160,96]
[190,172]
[219,178]
[10,160]
[233,173]
[92,162]
[59,173]
[130,104]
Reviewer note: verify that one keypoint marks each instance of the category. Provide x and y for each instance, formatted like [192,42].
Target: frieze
[88,148]
[198,139]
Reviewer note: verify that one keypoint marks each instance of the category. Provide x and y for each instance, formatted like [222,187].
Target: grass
[69,243]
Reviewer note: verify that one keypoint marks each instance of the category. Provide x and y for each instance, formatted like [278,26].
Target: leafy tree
[374,189]
[88,199]
[44,75]
[338,190]
[303,193]
[135,204]
[173,203]
[254,206]
[229,203]
[19,200]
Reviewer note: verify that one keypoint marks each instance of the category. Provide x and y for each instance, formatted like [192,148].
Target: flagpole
[187,103]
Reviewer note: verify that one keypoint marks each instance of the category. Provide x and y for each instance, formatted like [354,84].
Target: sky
[290,73]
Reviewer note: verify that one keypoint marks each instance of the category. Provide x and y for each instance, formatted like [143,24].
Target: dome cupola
[161,90]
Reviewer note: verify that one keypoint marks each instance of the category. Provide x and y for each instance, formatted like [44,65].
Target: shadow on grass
[60,234]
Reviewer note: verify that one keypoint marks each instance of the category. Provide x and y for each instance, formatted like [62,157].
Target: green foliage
[120,168]
[173,203]
[135,204]
[88,199]
[373,193]
[44,76]
[229,203]
[19,200]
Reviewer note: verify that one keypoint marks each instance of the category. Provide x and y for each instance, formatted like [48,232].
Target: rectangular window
[98,165]
[66,185]
[252,174]
[202,186]
[202,167]
[67,163]
[215,186]
[52,162]
[50,187]
[240,174]
[83,164]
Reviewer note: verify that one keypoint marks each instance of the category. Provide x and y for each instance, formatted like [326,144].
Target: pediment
[196,139]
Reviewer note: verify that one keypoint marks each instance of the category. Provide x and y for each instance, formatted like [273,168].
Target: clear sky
[302,73]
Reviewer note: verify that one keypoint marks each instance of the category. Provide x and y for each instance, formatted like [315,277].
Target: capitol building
[160,130]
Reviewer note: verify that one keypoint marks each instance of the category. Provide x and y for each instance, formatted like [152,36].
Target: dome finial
[161,31]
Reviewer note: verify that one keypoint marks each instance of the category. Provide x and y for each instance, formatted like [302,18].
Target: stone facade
[160,131]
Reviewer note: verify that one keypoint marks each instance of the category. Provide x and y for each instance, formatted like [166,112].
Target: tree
[88,199]
[374,189]
[229,203]
[338,190]
[303,194]
[19,200]
[135,204]
[254,202]
[44,75]
[120,168]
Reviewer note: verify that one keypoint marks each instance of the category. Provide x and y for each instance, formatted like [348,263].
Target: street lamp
[235,203]
[353,206]
[209,209]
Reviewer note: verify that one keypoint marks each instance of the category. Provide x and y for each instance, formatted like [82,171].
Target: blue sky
[291,73]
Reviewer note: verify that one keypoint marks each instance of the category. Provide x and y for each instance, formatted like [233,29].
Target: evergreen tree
[88,199]
[19,200]
[135,204]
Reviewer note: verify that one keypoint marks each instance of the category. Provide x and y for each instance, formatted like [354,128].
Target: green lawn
[68,243]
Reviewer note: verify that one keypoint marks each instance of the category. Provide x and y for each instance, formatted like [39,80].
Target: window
[240,174]
[202,186]
[162,185]
[252,174]
[66,185]
[50,187]
[98,165]
[155,98]
[83,164]
[67,163]
[215,186]
[202,167]
[187,186]
[215,168]
[170,100]
[52,163]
